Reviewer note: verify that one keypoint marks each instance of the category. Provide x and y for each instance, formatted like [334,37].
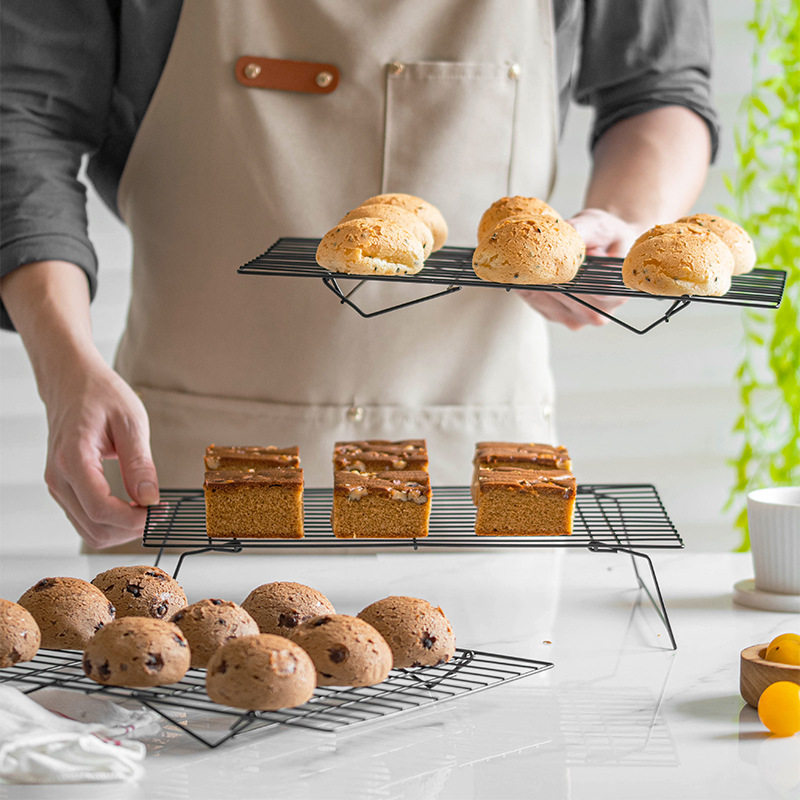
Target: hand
[94,415]
[605,235]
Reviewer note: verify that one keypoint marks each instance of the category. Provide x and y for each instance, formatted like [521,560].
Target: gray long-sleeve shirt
[77,78]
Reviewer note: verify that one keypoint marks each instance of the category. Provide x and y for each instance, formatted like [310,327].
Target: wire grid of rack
[606,515]
[609,518]
[450,269]
[331,710]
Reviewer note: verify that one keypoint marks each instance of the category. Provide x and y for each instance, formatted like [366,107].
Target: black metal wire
[615,515]
[452,267]
[186,705]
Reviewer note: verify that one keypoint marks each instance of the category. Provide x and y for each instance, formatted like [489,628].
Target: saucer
[746,594]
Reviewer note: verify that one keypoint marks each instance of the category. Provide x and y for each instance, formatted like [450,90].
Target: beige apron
[453,100]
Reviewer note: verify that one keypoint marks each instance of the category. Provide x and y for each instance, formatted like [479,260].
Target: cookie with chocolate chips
[19,634]
[68,611]
[346,651]
[141,591]
[208,624]
[418,633]
[137,651]
[261,672]
[281,606]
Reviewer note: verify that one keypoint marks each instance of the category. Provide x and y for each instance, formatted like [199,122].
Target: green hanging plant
[766,202]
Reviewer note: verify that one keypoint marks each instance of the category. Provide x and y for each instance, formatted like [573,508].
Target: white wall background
[656,408]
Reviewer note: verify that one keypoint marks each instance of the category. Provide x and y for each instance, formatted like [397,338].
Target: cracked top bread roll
[371,246]
[530,250]
[426,211]
[735,237]
[678,259]
[514,206]
[402,216]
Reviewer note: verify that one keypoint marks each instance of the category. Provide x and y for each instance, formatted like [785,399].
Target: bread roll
[734,236]
[530,250]
[402,216]
[370,246]
[426,211]
[507,207]
[678,259]
[673,228]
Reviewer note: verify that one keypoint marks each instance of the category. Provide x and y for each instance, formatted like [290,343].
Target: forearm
[48,301]
[650,168]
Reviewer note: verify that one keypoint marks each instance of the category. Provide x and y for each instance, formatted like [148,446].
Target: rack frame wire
[609,518]
[331,710]
[450,269]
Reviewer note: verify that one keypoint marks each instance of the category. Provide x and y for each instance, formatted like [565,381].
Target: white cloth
[86,739]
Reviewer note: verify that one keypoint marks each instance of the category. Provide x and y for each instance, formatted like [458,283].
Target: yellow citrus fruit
[779,708]
[784,649]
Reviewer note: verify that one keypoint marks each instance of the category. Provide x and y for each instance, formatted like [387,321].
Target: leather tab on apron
[288,76]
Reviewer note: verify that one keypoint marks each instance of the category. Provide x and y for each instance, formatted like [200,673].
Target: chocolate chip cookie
[137,651]
[19,634]
[346,651]
[68,611]
[418,633]
[278,607]
[208,624]
[261,672]
[141,591]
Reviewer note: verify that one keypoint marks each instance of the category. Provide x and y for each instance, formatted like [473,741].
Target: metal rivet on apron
[355,413]
[323,79]
[514,71]
[395,68]
[252,71]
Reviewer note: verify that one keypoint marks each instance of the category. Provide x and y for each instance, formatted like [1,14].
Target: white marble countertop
[620,715]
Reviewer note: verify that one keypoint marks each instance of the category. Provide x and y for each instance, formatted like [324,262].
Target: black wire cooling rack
[331,710]
[451,268]
[609,518]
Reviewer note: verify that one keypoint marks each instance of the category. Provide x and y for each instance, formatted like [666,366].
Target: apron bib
[453,101]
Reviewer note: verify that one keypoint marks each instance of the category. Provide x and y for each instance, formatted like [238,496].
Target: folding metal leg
[657,601]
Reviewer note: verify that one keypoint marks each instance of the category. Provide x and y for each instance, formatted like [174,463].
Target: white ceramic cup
[774,519]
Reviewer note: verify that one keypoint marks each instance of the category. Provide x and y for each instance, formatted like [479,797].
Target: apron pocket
[448,136]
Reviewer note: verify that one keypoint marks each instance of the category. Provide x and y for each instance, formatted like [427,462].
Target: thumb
[131,441]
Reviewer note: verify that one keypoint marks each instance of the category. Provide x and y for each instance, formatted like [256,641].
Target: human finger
[130,439]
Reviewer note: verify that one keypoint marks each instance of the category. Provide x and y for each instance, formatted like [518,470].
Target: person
[458,102]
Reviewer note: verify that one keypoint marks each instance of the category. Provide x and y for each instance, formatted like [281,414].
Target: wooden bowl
[756,673]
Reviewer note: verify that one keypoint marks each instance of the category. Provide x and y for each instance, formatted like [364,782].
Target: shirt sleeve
[637,55]
[58,66]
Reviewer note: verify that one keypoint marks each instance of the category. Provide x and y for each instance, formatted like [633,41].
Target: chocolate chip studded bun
[371,246]
[678,259]
[530,250]
[260,673]
[141,591]
[137,651]
[19,634]
[515,206]
[402,216]
[426,211]
[735,237]
[418,633]
[68,611]
[346,651]
[208,624]
[281,606]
